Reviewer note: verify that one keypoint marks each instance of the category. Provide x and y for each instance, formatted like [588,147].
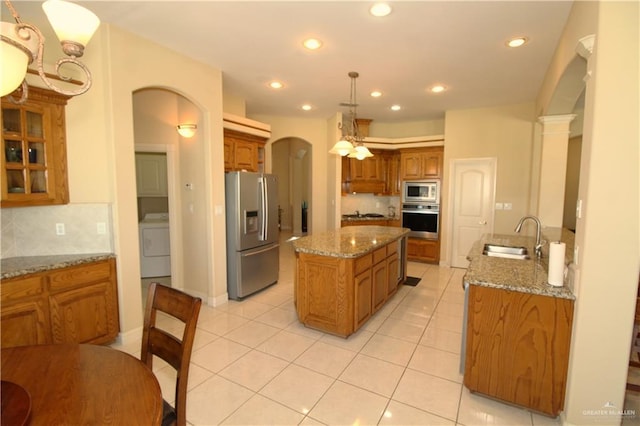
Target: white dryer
[155,247]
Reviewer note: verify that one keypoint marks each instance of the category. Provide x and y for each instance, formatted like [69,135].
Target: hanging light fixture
[351,142]
[23,43]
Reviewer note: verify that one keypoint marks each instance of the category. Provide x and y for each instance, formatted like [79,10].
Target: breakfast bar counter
[344,276]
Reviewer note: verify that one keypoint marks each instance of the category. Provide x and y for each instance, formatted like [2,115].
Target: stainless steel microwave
[421,191]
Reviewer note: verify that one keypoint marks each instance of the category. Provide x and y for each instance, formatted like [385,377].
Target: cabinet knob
[482,222]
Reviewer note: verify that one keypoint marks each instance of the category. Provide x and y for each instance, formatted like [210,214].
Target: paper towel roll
[556,263]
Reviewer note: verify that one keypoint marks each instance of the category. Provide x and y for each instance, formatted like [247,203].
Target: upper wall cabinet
[34,164]
[421,163]
[151,175]
[244,141]
[243,151]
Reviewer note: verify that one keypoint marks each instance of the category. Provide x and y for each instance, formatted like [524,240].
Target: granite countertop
[17,266]
[349,242]
[526,276]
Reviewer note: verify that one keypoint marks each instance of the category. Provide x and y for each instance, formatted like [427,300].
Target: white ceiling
[460,44]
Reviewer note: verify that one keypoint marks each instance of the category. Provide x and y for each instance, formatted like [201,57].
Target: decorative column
[553,168]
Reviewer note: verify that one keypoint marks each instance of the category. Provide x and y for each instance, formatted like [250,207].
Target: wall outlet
[101,228]
[60,229]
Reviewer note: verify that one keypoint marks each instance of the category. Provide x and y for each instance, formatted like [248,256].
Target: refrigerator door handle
[265,203]
[253,253]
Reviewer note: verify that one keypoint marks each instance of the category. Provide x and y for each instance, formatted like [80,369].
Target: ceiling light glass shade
[360,152]
[342,147]
[15,56]
[187,130]
[380,9]
[71,22]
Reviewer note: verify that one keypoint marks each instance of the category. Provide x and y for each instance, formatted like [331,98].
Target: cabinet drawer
[379,255]
[392,248]
[363,263]
[21,288]
[73,276]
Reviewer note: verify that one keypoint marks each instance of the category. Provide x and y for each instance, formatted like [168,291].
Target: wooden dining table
[80,384]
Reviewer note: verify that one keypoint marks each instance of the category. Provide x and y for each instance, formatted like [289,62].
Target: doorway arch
[291,159]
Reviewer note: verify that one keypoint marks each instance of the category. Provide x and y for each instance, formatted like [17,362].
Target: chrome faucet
[538,229]
[357,213]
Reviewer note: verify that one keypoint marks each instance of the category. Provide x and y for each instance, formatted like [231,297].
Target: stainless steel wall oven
[422,219]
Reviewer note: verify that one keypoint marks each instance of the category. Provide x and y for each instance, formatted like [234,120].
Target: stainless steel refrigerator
[252,232]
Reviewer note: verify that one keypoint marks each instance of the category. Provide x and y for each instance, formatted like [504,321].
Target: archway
[291,160]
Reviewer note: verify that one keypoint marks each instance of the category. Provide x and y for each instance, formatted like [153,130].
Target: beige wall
[504,133]
[313,131]
[406,129]
[103,117]
[607,235]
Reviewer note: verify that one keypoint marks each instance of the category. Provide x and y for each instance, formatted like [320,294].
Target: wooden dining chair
[161,343]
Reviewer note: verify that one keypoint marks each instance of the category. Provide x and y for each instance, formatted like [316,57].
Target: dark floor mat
[412,281]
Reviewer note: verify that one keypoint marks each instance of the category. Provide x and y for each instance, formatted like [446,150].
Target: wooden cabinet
[373,222]
[422,250]
[151,175]
[517,347]
[421,163]
[338,295]
[74,304]
[34,163]
[363,176]
[243,151]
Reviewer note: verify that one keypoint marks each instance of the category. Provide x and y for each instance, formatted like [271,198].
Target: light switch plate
[60,229]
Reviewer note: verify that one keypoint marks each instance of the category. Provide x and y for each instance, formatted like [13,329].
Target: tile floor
[254,364]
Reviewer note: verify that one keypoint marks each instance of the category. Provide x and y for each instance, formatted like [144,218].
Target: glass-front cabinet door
[33,142]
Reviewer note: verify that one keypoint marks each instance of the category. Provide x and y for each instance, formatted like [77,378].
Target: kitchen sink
[373,215]
[508,252]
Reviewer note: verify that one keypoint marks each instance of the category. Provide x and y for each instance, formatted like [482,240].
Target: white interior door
[473,186]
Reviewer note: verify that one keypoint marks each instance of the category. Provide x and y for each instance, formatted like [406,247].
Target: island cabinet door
[517,347]
[363,286]
[380,278]
[325,295]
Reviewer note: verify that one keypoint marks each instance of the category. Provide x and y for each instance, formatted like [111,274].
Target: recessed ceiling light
[376,94]
[438,88]
[517,41]
[380,9]
[276,85]
[396,107]
[312,43]
[307,107]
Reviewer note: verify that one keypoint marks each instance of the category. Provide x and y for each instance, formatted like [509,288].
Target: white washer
[155,247]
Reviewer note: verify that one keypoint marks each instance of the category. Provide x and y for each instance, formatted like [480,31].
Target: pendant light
[351,142]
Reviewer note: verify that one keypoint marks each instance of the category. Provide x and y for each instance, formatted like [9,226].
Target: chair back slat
[163,344]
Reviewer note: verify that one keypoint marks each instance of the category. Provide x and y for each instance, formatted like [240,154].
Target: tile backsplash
[31,231]
[367,203]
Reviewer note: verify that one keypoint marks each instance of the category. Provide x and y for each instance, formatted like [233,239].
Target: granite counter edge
[19,266]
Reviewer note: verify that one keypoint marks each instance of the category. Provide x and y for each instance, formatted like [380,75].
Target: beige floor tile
[262,411]
[252,334]
[222,324]
[437,363]
[278,317]
[254,370]
[354,342]
[286,345]
[297,387]
[402,414]
[218,354]
[476,410]
[429,393]
[249,309]
[445,340]
[446,322]
[344,404]
[326,359]
[373,374]
[402,330]
[214,400]
[389,349]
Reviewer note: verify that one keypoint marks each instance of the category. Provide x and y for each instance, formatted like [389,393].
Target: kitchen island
[518,327]
[344,276]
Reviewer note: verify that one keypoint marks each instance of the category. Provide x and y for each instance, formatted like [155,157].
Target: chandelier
[351,143]
[23,44]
